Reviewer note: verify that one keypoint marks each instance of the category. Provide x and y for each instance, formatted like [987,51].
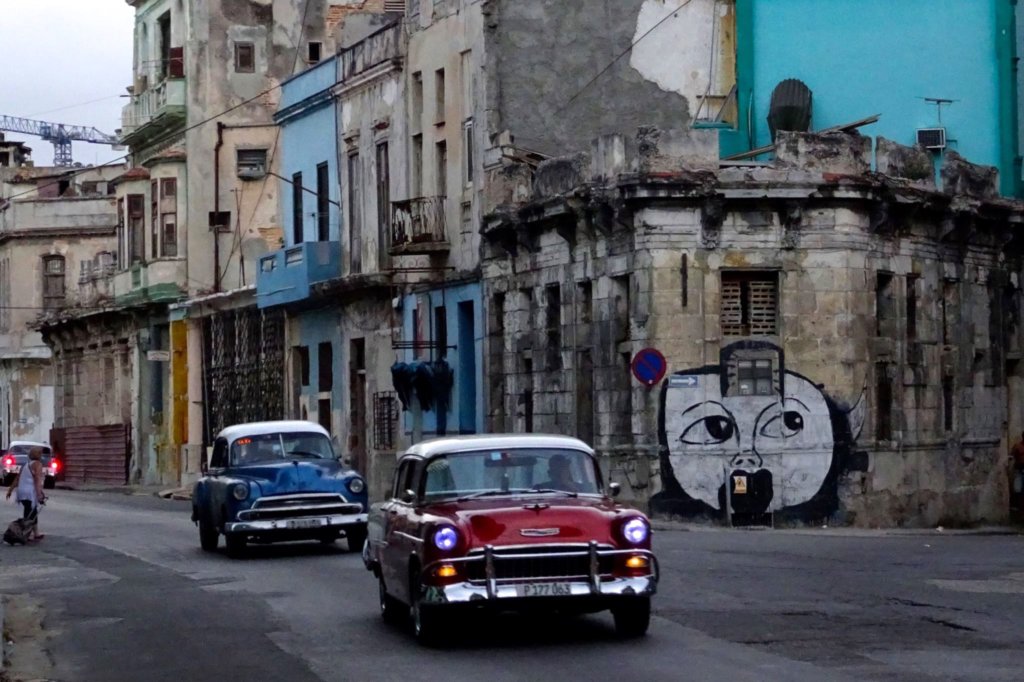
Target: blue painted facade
[318,332]
[464,330]
[309,123]
[865,57]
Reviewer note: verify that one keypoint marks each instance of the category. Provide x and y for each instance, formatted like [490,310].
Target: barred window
[749,303]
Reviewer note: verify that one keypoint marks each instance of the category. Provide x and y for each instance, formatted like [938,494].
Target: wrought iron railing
[418,221]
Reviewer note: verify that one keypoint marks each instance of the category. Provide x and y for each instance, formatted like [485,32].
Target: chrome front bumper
[330,522]
[593,585]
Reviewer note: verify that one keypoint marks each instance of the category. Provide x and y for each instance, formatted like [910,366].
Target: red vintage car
[507,523]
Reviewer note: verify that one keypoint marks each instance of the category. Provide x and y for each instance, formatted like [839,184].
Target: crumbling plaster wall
[274,27]
[543,54]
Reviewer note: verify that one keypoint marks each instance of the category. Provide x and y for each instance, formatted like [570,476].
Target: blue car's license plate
[298,524]
[544,590]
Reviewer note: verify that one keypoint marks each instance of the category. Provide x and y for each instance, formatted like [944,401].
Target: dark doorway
[357,404]
[466,373]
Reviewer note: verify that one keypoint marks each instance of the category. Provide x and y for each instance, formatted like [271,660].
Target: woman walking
[30,488]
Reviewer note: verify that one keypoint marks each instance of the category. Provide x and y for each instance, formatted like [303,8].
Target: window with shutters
[53,282]
[750,305]
[245,58]
[136,228]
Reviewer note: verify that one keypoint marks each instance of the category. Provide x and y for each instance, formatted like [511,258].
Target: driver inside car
[560,476]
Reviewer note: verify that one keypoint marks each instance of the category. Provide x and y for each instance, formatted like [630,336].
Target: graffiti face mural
[771,435]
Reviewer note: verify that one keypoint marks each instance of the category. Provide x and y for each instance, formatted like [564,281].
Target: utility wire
[613,62]
[70,106]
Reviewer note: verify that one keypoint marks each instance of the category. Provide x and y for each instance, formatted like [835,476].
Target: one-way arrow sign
[687,380]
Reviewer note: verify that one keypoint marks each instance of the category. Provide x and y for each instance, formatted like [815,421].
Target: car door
[215,489]
[397,543]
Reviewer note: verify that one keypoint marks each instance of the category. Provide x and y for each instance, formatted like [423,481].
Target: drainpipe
[216,206]
[1006,52]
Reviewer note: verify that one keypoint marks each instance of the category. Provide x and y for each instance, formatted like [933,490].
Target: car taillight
[8,461]
[54,466]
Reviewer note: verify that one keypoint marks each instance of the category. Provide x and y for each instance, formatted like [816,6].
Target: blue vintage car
[277,481]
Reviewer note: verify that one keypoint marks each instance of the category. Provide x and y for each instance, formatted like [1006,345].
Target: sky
[57,55]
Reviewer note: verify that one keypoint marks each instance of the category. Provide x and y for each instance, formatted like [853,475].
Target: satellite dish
[790,109]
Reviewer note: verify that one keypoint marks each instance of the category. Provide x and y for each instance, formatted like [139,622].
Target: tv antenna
[939,102]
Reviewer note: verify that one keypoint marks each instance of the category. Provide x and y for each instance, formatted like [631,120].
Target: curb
[3,638]
[839,531]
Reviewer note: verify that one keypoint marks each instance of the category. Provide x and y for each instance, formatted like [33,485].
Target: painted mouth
[751,492]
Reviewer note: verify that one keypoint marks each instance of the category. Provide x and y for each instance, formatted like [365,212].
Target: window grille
[385,420]
[749,303]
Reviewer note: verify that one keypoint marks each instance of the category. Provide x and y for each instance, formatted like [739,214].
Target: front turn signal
[637,561]
[446,571]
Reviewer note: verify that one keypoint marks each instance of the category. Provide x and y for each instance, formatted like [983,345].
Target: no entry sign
[649,366]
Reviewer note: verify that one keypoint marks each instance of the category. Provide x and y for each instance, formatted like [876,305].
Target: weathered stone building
[56,251]
[842,345]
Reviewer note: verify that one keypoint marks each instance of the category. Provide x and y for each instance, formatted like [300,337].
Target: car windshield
[20,451]
[268,447]
[511,472]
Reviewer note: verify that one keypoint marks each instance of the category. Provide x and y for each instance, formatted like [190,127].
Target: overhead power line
[613,62]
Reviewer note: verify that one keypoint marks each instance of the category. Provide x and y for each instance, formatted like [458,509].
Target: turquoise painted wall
[864,57]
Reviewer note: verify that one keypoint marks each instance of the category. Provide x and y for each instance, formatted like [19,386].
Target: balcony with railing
[156,109]
[419,227]
[287,275]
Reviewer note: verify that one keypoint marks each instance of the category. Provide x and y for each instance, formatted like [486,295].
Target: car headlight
[445,538]
[240,491]
[635,531]
[356,485]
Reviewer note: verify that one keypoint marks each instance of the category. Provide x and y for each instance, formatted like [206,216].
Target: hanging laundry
[402,375]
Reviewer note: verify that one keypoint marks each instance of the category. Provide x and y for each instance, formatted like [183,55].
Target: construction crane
[60,134]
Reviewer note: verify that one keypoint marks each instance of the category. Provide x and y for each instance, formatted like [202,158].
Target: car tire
[633,617]
[49,483]
[390,608]
[209,537]
[8,480]
[235,545]
[356,538]
[428,621]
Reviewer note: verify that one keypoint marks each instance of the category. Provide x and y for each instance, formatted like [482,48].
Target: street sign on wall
[649,366]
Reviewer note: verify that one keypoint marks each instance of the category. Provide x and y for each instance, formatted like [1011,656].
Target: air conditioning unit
[394,6]
[932,138]
[251,173]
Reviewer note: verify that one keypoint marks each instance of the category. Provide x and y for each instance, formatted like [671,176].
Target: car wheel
[428,620]
[633,617]
[390,608]
[236,545]
[8,479]
[356,539]
[209,538]
[49,483]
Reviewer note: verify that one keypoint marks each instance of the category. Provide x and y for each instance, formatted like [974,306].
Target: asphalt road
[128,595]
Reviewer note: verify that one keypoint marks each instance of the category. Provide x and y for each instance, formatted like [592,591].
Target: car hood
[300,475]
[535,519]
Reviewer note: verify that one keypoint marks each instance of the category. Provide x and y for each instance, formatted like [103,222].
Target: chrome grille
[294,506]
[530,563]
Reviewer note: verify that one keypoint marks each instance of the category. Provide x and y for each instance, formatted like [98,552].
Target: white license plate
[305,523]
[544,590]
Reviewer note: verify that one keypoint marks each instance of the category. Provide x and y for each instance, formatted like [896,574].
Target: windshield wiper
[305,453]
[552,490]
[491,493]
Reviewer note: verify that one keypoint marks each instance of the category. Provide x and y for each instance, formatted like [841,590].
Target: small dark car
[274,482]
[15,457]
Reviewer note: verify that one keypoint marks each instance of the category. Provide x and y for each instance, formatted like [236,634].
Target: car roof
[497,441]
[232,433]
[30,443]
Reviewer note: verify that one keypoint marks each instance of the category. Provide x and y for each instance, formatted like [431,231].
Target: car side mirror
[409,496]
[614,489]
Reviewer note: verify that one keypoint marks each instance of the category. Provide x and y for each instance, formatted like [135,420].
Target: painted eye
[708,431]
[786,425]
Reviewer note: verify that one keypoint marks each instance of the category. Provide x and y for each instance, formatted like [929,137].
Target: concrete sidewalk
[141,490]
[844,531]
